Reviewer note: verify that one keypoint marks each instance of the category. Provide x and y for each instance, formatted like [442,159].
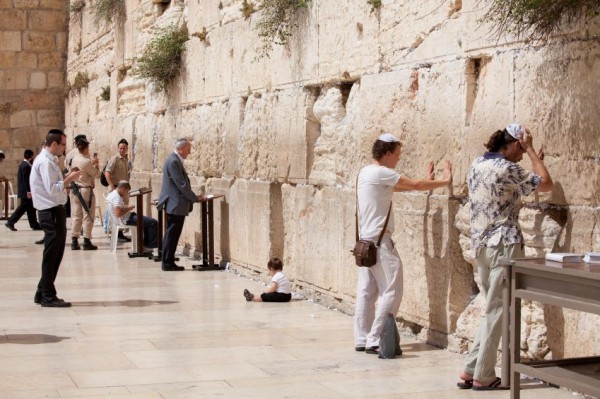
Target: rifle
[76,191]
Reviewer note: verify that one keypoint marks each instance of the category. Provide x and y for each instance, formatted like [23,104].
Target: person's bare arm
[272,287]
[537,162]
[407,184]
[121,211]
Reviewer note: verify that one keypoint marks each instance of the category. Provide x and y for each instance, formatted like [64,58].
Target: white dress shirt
[46,181]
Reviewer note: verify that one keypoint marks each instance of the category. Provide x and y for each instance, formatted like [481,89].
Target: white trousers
[381,283]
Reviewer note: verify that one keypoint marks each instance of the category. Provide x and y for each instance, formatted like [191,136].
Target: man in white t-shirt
[377,183]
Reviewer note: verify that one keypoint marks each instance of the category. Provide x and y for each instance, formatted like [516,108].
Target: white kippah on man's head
[388,138]
[515,130]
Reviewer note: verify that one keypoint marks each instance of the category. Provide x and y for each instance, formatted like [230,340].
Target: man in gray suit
[177,199]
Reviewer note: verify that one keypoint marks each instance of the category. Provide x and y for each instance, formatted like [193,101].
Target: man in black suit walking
[177,199]
[24,194]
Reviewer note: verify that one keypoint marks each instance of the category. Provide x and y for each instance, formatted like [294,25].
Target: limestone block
[347,38]
[255,74]
[52,4]
[27,137]
[38,41]
[56,79]
[27,60]
[252,220]
[204,125]
[8,59]
[54,61]
[231,129]
[222,209]
[256,147]
[14,80]
[44,20]
[50,117]
[219,65]
[319,230]
[6,4]
[4,138]
[329,111]
[22,119]
[561,82]
[42,100]
[14,20]
[141,145]
[203,13]
[10,41]
[192,80]
[27,4]
[37,80]
[131,95]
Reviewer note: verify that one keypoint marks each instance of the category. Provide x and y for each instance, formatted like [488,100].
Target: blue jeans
[150,226]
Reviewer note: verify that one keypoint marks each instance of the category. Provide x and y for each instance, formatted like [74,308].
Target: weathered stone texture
[284,137]
[32,62]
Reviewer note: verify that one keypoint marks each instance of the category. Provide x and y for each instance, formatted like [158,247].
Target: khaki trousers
[79,216]
[482,358]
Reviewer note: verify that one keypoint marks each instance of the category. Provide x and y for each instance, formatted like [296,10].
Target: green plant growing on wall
[105,94]
[375,4]
[201,35]
[162,59]
[247,9]
[278,19]
[537,19]
[81,80]
[107,11]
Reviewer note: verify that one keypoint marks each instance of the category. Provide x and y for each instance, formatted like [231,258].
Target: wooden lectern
[139,208]
[208,235]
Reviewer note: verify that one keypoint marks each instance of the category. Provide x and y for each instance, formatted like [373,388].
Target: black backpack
[103,180]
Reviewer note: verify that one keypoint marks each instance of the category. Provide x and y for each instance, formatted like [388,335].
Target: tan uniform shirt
[118,168]
[89,171]
[69,158]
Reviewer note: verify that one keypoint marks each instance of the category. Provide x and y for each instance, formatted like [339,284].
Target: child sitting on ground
[280,289]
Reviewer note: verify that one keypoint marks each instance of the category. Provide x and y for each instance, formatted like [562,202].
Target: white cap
[515,130]
[388,138]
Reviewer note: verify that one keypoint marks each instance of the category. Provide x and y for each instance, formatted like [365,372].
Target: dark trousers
[172,234]
[150,226]
[26,205]
[54,223]
[275,297]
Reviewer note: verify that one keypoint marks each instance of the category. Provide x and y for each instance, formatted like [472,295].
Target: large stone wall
[33,46]
[283,138]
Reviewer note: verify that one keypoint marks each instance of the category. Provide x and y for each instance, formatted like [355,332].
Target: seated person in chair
[122,213]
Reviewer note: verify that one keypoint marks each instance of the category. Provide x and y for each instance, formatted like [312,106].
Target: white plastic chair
[117,226]
[12,198]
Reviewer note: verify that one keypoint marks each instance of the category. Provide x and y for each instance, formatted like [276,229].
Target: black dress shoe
[36,228]
[56,303]
[10,226]
[172,268]
[37,298]
[40,241]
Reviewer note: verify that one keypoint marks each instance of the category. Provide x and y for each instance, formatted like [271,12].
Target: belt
[84,186]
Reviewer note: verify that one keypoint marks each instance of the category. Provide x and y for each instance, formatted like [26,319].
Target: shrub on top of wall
[278,19]
[161,61]
[107,11]
[537,19]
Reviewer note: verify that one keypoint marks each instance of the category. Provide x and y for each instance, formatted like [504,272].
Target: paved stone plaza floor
[135,331]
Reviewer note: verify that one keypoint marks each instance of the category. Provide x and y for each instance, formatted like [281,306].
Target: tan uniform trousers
[79,216]
[481,359]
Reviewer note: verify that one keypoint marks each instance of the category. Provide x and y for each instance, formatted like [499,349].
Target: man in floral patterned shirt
[496,184]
